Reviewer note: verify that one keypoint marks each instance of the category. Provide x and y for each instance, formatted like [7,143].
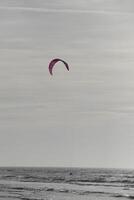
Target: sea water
[65,183]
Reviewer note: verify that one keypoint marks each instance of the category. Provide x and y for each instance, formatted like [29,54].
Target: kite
[53,62]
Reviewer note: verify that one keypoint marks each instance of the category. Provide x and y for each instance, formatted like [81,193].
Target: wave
[64,189]
[98,181]
[101,184]
[123,195]
[21,190]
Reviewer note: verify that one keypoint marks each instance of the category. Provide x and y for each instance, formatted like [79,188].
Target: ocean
[65,183]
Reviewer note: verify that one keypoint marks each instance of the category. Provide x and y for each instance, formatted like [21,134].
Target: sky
[80,118]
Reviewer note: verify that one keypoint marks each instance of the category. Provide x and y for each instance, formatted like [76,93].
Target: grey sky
[79,118]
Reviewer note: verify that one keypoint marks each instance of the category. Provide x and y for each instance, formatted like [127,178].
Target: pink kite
[53,62]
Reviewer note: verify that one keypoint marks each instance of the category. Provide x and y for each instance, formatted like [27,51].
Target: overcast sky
[80,118]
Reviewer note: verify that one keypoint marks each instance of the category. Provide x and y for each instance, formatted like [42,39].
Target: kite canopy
[53,62]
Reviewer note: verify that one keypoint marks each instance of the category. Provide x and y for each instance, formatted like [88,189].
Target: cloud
[99,11]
